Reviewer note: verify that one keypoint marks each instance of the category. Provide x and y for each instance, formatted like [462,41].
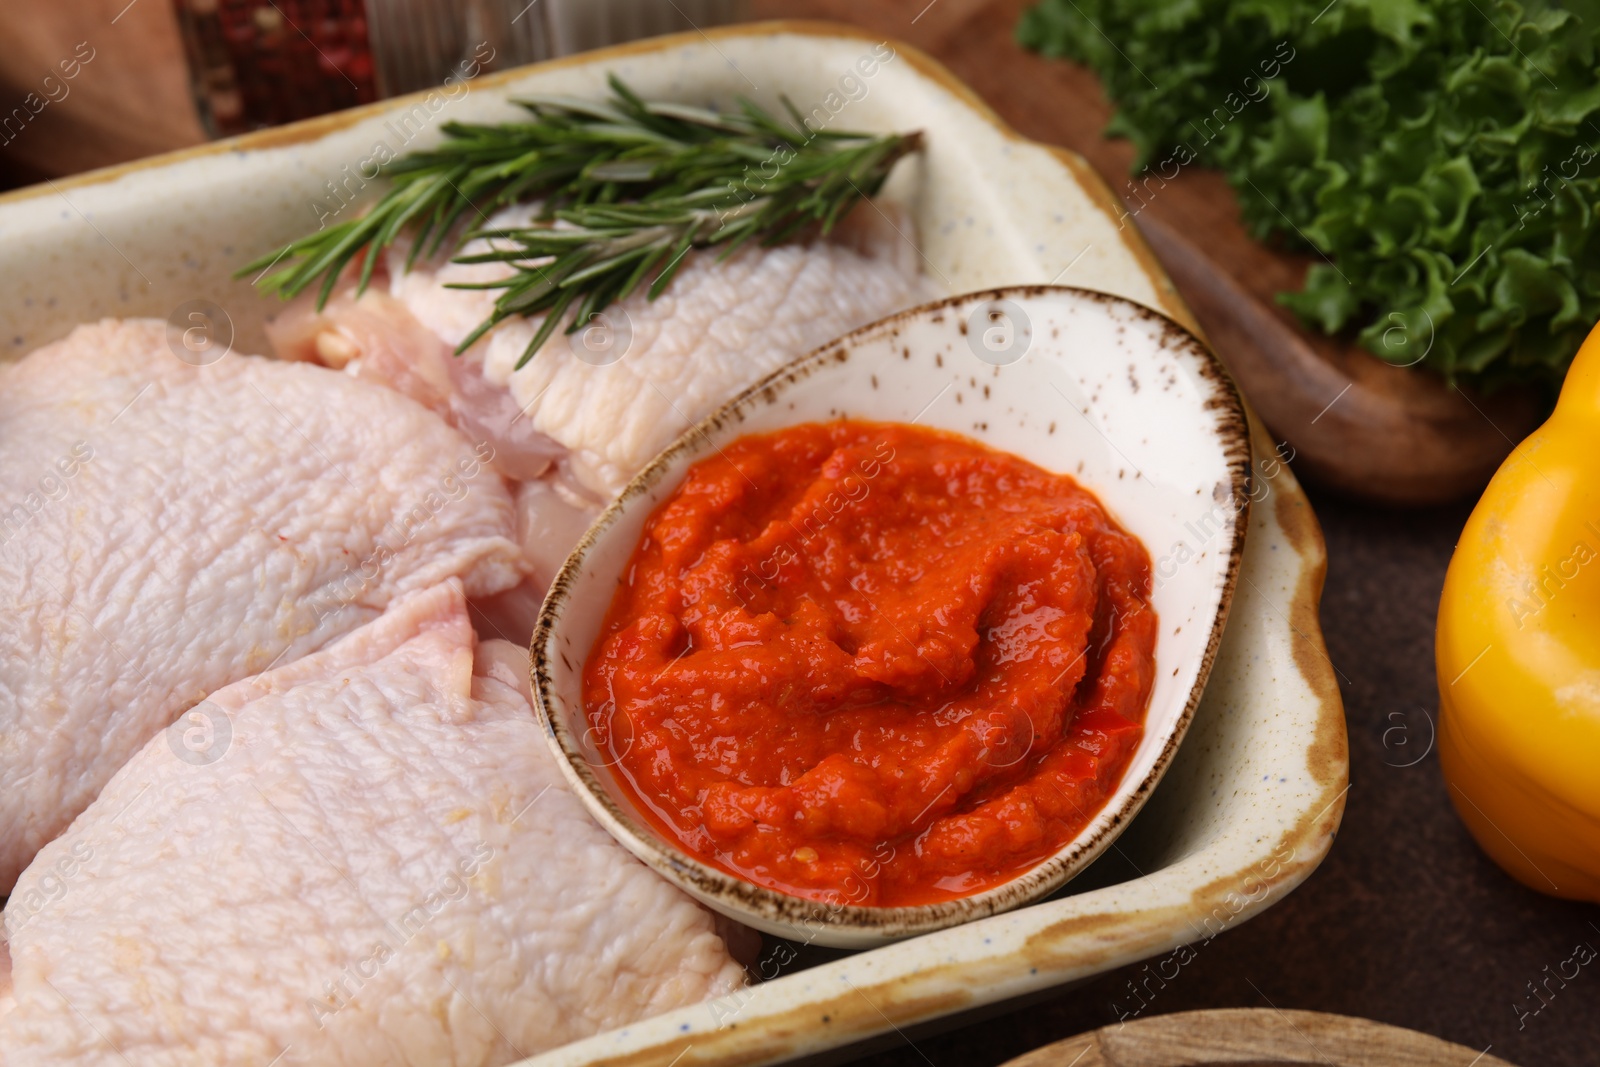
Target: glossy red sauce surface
[874,664]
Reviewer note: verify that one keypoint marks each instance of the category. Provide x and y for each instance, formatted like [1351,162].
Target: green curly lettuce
[1443,157]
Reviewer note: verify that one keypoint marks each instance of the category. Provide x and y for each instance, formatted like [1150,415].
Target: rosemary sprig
[628,187]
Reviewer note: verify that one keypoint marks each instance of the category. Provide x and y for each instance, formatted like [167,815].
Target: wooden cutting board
[1255,1037]
[1355,423]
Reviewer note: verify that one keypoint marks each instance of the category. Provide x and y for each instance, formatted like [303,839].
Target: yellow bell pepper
[1518,652]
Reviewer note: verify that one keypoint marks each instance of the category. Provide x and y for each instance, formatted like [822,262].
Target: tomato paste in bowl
[874,663]
[905,634]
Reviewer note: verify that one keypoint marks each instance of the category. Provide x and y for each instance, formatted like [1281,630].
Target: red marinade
[875,664]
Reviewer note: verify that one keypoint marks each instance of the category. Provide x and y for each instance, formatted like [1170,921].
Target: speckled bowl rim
[741,899]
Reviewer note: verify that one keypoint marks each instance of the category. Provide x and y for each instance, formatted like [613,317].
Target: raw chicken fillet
[608,397]
[591,408]
[385,867]
[169,529]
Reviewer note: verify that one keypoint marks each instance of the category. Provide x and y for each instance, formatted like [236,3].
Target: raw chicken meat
[616,393]
[592,408]
[376,338]
[550,520]
[384,867]
[170,529]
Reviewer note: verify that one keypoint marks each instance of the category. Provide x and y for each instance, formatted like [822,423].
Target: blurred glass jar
[256,63]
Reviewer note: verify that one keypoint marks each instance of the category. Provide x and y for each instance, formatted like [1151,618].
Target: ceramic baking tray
[1250,805]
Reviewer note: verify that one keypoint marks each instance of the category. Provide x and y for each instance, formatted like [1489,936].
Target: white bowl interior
[1077,382]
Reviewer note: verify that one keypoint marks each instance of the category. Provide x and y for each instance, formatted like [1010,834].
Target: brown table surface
[1406,922]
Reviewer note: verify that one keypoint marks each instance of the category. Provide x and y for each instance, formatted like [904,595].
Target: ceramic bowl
[1080,383]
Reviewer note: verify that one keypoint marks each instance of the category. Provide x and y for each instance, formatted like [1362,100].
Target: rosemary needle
[627,188]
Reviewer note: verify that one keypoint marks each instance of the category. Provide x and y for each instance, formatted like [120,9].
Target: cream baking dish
[1250,804]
